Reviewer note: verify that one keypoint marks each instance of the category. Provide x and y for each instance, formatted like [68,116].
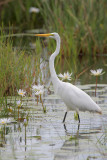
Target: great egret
[73,97]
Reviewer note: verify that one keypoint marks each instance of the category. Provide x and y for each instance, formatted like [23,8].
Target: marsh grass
[18,15]
[81,24]
[18,69]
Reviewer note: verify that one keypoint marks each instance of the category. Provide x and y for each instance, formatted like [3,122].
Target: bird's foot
[76,116]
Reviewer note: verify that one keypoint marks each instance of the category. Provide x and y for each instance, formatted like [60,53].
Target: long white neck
[54,78]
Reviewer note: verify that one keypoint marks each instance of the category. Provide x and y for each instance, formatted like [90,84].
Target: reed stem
[96,86]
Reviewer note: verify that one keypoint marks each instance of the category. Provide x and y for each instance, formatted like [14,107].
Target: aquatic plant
[80,34]
[96,73]
[19,104]
[39,90]
[21,92]
[37,87]
[5,121]
[40,93]
[65,76]
[76,21]
[34,10]
[25,122]
[18,14]
[17,70]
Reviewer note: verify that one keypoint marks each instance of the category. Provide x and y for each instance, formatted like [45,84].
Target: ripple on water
[48,138]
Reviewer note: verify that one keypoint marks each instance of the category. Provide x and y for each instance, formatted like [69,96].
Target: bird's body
[74,98]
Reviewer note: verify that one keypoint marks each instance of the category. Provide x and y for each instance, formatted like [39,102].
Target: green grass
[19,16]
[81,24]
[18,68]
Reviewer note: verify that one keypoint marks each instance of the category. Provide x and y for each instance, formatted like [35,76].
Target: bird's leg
[78,127]
[78,120]
[65,128]
[64,117]
[78,117]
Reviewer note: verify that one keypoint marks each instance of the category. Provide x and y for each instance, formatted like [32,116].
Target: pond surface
[46,138]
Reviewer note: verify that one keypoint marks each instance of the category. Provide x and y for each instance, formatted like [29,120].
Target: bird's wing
[75,98]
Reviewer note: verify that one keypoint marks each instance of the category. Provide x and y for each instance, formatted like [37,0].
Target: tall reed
[81,24]
[18,70]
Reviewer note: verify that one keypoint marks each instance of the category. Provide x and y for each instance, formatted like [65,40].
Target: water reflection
[46,137]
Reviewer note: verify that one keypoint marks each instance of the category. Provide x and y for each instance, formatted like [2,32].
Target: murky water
[46,138]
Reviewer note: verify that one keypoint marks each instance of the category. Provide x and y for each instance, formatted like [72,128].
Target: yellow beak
[44,35]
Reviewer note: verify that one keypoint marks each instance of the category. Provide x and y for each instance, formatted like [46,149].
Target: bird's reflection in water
[66,127]
[79,141]
[79,131]
[67,133]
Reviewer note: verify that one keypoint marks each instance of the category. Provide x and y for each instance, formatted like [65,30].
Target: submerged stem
[96,86]
[37,100]
[4,132]
[42,104]
[41,101]
[18,113]
[25,137]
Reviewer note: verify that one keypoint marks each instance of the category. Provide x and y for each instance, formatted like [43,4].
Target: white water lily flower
[5,121]
[97,72]
[21,92]
[19,104]
[37,87]
[25,122]
[65,76]
[34,10]
[40,92]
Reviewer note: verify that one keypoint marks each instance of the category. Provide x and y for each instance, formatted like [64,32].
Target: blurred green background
[81,24]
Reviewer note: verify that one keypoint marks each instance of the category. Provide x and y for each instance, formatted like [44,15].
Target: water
[47,138]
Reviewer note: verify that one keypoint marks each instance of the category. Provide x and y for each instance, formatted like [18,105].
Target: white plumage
[73,97]
[76,99]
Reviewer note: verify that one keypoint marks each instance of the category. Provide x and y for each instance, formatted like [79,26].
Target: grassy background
[81,24]
[17,68]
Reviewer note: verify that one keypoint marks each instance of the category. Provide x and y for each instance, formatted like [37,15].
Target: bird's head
[50,35]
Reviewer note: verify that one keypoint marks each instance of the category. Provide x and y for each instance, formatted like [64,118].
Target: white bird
[74,98]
